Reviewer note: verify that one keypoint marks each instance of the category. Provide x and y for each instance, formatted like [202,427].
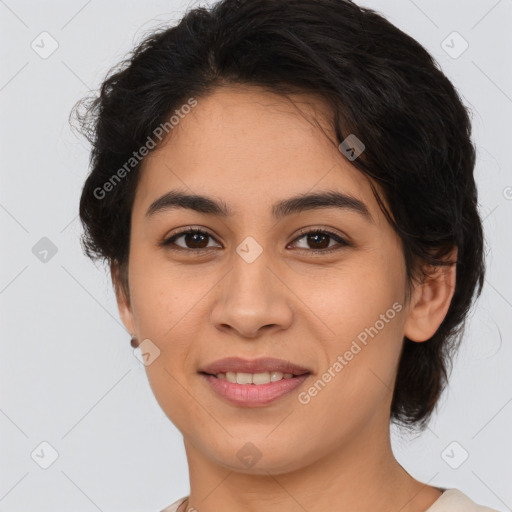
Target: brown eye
[192,239]
[320,240]
[317,240]
[198,240]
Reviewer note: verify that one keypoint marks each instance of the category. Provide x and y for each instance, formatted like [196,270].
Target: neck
[361,474]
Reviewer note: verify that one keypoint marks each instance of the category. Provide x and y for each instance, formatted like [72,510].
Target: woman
[284,192]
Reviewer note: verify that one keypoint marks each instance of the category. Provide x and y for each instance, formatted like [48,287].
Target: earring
[134,342]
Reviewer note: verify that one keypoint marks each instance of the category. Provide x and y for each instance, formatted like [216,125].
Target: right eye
[194,239]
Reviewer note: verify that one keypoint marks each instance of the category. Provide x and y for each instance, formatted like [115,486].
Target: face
[255,284]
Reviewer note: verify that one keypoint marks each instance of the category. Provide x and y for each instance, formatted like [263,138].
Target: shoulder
[453,500]
[173,507]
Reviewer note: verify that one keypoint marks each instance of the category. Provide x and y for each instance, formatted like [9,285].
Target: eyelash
[169,242]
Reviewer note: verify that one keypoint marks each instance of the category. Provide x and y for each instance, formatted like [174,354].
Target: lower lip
[254,395]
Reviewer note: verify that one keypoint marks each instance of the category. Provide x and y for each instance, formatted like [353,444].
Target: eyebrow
[175,199]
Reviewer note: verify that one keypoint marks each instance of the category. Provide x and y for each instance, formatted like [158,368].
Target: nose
[252,299]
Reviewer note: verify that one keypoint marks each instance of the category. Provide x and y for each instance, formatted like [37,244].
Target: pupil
[322,245]
[195,237]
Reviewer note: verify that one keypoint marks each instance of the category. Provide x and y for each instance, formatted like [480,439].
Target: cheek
[160,297]
[161,308]
[353,297]
[364,311]
[357,381]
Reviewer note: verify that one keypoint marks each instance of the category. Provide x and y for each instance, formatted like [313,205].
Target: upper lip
[261,365]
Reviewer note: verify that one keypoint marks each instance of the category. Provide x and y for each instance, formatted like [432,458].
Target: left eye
[320,240]
[198,239]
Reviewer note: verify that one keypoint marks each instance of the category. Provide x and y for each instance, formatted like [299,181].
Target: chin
[263,456]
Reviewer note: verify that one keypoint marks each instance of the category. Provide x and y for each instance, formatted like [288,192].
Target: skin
[251,148]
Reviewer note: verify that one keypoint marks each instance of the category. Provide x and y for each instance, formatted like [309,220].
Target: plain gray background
[68,374]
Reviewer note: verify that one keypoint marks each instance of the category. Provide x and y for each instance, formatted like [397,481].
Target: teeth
[253,378]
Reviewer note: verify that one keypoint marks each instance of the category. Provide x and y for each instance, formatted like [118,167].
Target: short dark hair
[381,85]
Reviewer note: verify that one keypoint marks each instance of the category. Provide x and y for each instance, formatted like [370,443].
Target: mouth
[253,390]
[246,371]
[253,382]
[256,379]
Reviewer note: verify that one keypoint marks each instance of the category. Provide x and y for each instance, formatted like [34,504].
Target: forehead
[251,148]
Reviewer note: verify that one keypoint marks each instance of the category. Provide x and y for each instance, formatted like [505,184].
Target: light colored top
[452,500]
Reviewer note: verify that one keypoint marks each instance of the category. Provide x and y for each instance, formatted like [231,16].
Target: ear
[431,300]
[123,301]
